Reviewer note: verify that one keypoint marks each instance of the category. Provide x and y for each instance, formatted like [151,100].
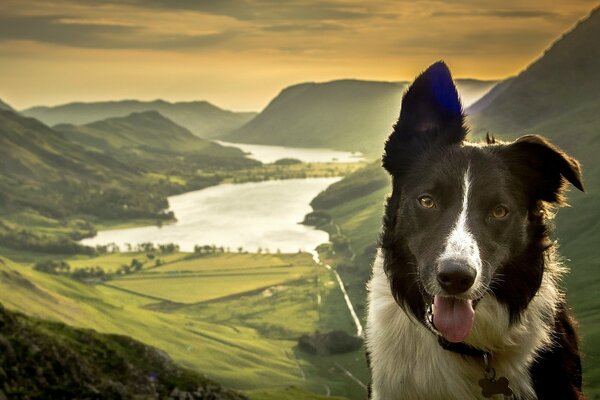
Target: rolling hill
[244,339]
[34,158]
[5,107]
[143,130]
[120,169]
[557,96]
[345,114]
[200,117]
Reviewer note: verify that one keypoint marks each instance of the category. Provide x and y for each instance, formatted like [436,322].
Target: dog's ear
[431,115]
[542,167]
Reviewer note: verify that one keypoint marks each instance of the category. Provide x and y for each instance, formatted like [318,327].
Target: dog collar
[461,348]
[490,386]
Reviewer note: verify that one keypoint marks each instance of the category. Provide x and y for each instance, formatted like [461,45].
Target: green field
[203,279]
[244,338]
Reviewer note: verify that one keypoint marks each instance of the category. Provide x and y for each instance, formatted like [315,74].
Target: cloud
[468,43]
[69,31]
[495,13]
[53,29]
[315,27]
[258,10]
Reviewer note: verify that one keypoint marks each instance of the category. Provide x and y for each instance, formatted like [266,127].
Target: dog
[464,299]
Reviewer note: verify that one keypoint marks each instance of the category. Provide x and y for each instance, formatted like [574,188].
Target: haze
[239,54]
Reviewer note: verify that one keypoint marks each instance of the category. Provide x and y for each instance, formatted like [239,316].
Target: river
[251,215]
[269,154]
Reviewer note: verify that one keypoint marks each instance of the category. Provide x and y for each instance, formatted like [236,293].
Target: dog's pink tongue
[453,317]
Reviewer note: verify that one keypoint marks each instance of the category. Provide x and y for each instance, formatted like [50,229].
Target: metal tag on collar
[491,386]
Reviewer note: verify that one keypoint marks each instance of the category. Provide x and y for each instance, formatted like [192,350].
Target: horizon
[238,56]
[170,101]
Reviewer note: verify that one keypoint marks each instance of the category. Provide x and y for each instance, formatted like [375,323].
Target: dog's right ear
[431,115]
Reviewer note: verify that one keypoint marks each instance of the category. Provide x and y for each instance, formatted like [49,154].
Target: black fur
[426,154]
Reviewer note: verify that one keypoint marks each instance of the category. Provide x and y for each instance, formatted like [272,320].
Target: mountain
[345,114]
[200,117]
[556,96]
[564,80]
[5,107]
[42,359]
[119,169]
[33,158]
[147,129]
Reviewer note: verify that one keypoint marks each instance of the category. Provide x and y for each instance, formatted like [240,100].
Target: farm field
[245,339]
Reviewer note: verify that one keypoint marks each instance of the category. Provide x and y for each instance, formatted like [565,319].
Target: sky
[238,54]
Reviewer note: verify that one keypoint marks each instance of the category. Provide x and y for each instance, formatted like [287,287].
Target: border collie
[464,298]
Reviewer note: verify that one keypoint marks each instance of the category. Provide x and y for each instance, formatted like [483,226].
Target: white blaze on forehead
[461,243]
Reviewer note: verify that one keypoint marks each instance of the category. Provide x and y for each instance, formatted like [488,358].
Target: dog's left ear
[543,167]
[431,115]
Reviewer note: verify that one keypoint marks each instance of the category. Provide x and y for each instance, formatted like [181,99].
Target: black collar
[459,348]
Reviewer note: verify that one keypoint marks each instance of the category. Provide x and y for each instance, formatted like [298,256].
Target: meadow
[238,328]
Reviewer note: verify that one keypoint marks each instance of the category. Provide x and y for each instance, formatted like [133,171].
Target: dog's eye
[500,212]
[426,201]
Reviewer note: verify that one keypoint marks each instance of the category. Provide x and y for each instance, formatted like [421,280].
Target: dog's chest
[408,363]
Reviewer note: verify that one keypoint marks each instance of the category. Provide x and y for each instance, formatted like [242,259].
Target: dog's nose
[455,277]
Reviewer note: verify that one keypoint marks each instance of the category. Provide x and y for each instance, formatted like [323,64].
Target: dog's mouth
[453,317]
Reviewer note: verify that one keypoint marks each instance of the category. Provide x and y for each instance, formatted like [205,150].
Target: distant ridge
[139,129]
[90,170]
[4,106]
[202,118]
[350,115]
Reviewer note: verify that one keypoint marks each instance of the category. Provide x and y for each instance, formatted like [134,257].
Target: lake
[250,215]
[269,154]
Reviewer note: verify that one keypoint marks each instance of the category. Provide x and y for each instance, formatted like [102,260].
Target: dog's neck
[513,345]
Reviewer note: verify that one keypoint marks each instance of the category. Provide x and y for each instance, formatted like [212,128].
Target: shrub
[334,342]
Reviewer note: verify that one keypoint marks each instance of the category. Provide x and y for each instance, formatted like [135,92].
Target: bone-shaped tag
[490,387]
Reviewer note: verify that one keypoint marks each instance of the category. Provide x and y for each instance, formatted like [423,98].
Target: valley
[214,308]
[235,317]
[205,233]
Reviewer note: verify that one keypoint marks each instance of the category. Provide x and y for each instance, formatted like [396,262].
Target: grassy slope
[147,129]
[42,359]
[118,169]
[250,337]
[346,114]
[202,118]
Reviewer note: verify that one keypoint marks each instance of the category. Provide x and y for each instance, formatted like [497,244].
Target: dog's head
[465,221]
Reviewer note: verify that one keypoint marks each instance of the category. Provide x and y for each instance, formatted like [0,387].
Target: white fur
[461,243]
[408,363]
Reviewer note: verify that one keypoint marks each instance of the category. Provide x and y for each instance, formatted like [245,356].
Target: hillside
[57,186]
[5,107]
[345,114]
[556,96]
[564,80]
[78,363]
[243,337]
[35,158]
[146,130]
[200,117]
